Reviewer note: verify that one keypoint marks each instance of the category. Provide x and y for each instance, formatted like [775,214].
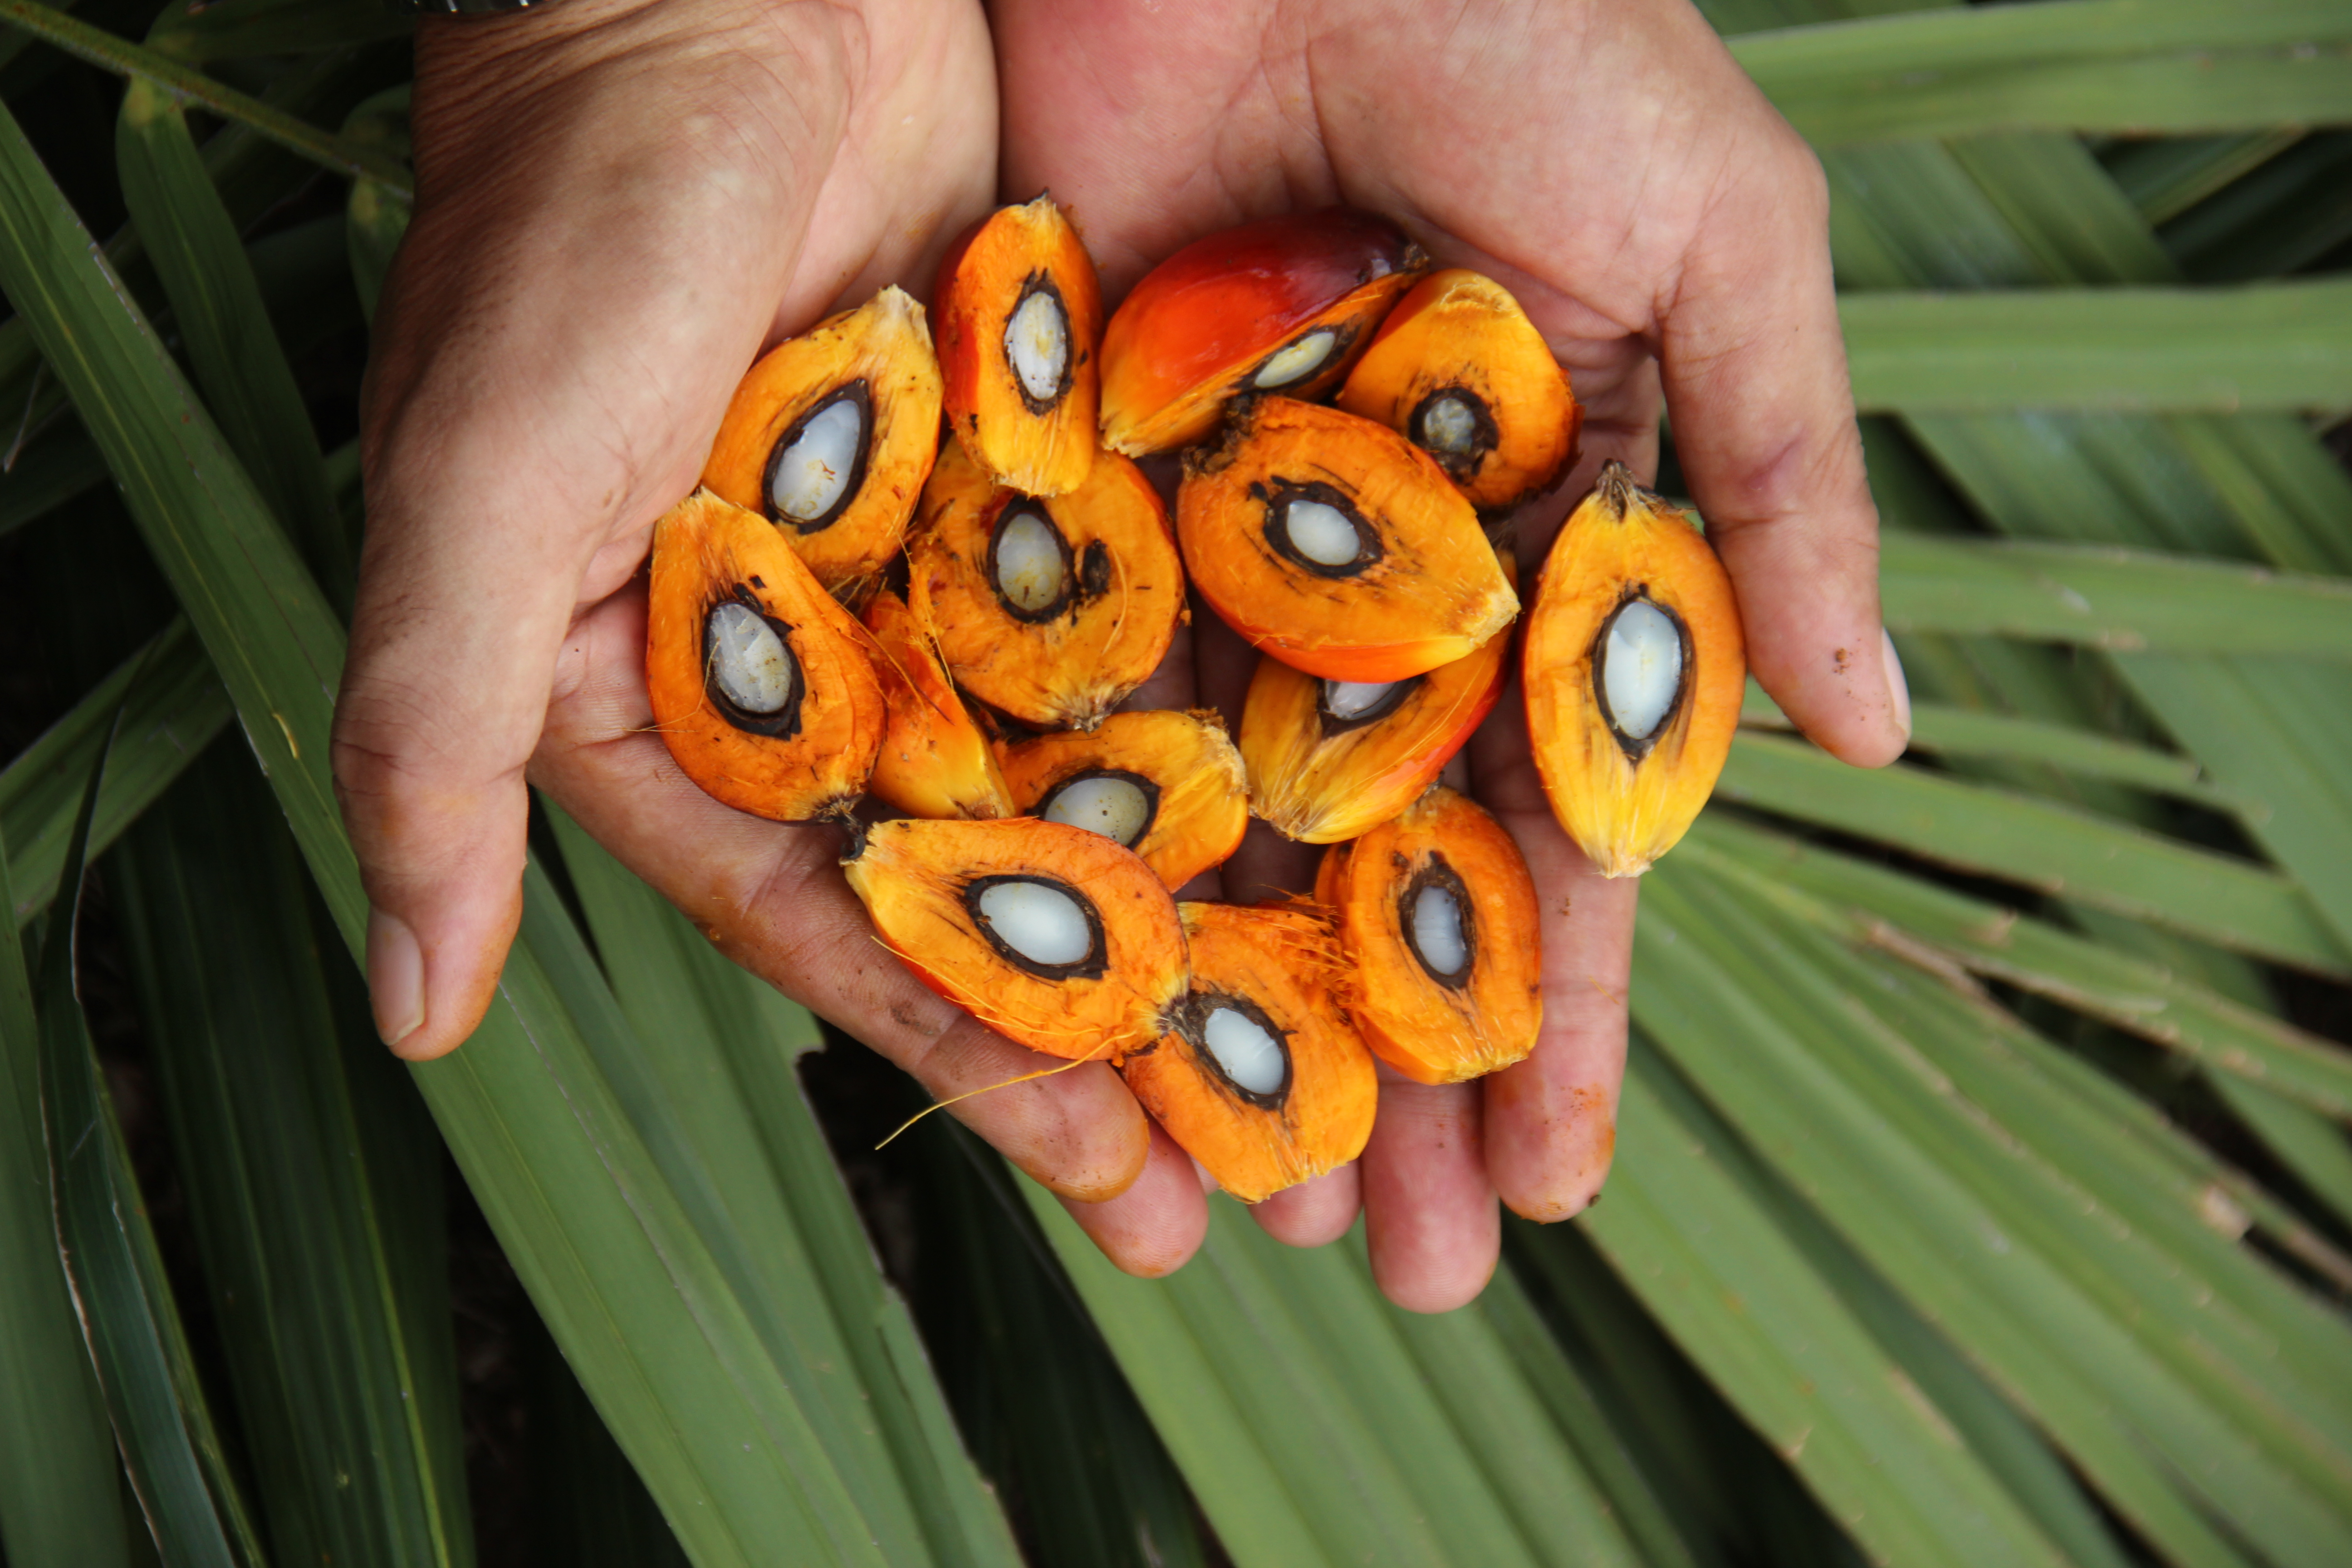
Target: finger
[1156,1224]
[1315,1212]
[1429,1210]
[772,897]
[1756,381]
[1551,1119]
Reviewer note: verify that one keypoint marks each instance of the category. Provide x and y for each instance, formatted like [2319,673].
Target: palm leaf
[2134,66]
[171,1449]
[1306,1418]
[2260,345]
[59,1503]
[313,1179]
[645,1311]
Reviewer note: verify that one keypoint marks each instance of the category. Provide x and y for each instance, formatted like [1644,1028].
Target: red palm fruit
[1329,760]
[1635,665]
[1263,1079]
[1051,935]
[1438,912]
[762,687]
[1459,370]
[1021,324]
[831,436]
[936,760]
[1052,611]
[1168,785]
[1283,303]
[1338,546]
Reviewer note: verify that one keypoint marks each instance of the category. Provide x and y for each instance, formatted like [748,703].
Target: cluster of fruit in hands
[1360,548]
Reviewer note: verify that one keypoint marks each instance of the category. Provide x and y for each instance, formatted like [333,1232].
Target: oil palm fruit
[1263,1080]
[1051,935]
[1437,912]
[831,436]
[1168,785]
[1052,611]
[1283,303]
[1633,667]
[763,686]
[1459,370]
[1338,546]
[1330,759]
[1021,325]
[936,760]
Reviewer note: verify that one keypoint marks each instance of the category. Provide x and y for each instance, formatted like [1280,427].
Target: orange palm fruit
[1437,910]
[1168,785]
[1049,934]
[1633,667]
[1338,546]
[1330,759]
[1263,1079]
[1459,370]
[1050,610]
[1284,302]
[763,686]
[1021,324]
[936,760]
[831,436]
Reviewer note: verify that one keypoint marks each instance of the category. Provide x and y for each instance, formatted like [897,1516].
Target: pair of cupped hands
[621,202]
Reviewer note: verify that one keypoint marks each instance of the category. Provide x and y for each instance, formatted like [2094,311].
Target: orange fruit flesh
[1269,518]
[877,364]
[721,576]
[1626,799]
[929,885]
[1275,973]
[1020,330]
[1176,773]
[1451,990]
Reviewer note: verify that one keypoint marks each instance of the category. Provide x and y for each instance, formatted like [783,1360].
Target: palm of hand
[1596,160]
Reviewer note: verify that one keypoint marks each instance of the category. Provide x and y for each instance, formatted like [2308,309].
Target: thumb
[428,765]
[466,591]
[508,485]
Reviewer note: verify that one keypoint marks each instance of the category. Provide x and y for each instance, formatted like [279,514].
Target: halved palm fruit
[1438,912]
[1284,303]
[1263,1079]
[1459,370]
[1051,935]
[1021,325]
[1050,610]
[1168,785]
[763,686]
[1338,546]
[1330,759]
[1633,667]
[936,760]
[831,436]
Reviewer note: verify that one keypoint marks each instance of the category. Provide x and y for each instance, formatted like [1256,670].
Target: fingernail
[396,967]
[1898,691]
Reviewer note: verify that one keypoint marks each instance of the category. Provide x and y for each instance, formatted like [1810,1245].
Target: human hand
[619,202]
[1609,163]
